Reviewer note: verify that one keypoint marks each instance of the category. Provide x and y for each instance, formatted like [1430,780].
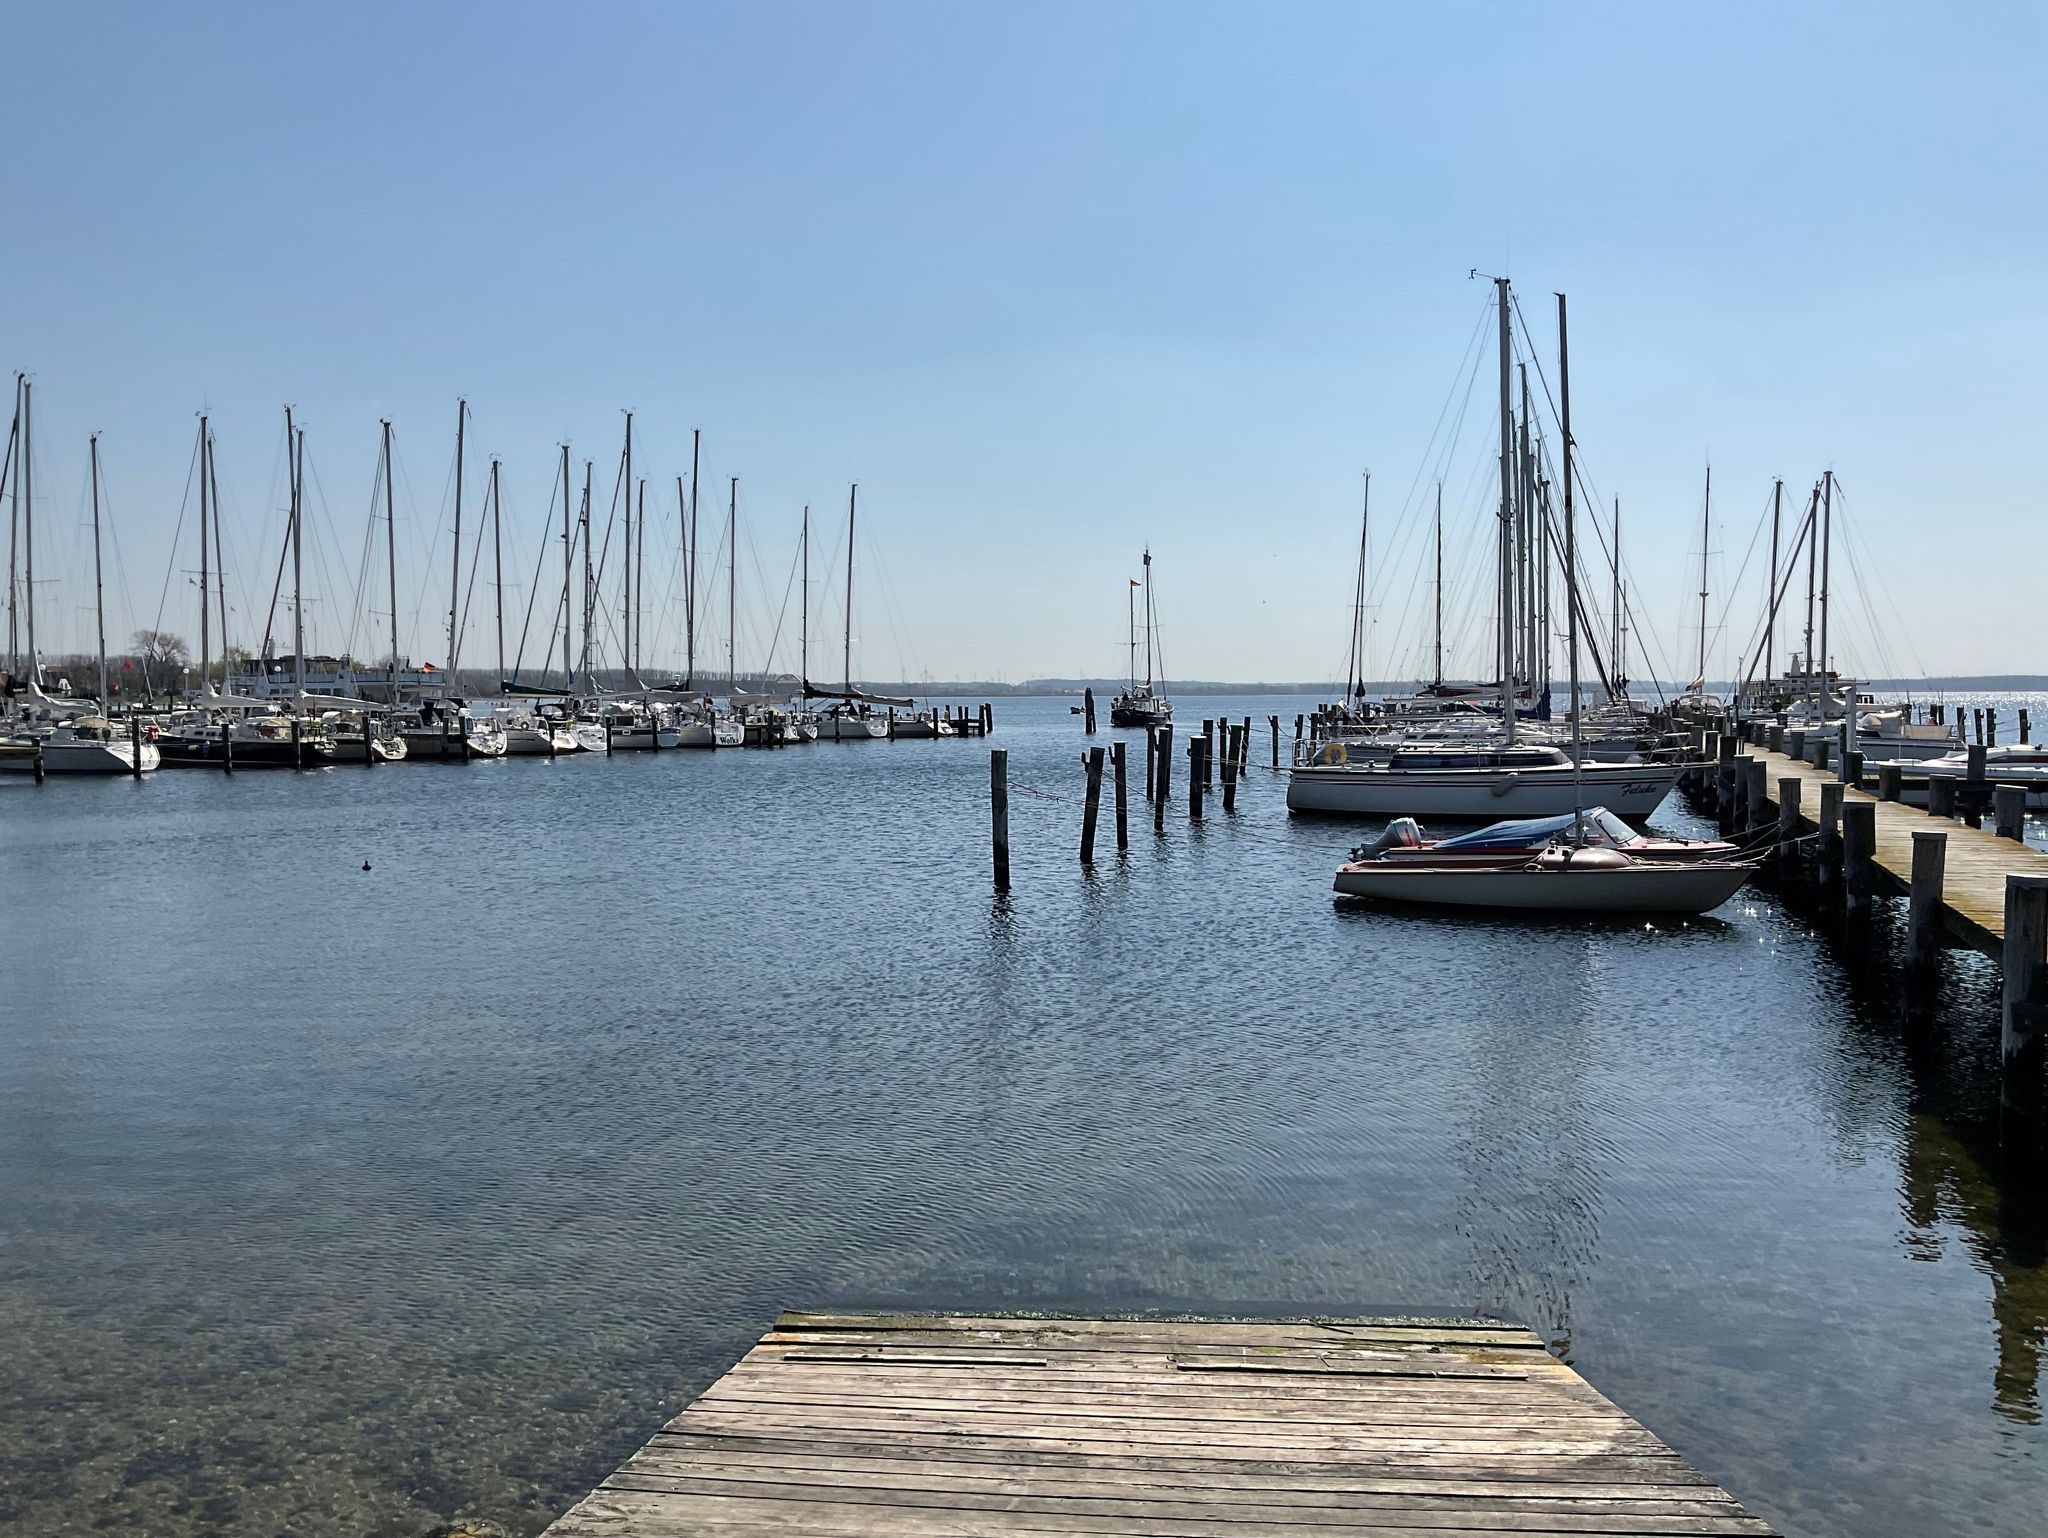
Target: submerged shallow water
[338,1201]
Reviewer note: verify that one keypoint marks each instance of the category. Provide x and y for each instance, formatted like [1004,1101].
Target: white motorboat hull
[1640,887]
[1632,790]
[540,742]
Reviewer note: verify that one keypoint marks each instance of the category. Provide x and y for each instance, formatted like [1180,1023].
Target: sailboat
[1484,774]
[1141,704]
[1586,868]
[83,744]
[851,716]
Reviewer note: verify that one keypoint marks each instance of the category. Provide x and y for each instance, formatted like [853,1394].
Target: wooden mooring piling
[1965,885]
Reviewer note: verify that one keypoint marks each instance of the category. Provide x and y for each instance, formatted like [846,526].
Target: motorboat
[539,734]
[1475,782]
[1514,842]
[443,733]
[84,745]
[1562,878]
[2019,763]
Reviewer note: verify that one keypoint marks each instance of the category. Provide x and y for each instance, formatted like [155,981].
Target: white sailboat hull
[540,742]
[1632,790]
[696,734]
[864,729]
[84,758]
[1642,887]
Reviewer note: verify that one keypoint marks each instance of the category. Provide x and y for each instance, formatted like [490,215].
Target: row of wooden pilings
[1222,752]
[1846,870]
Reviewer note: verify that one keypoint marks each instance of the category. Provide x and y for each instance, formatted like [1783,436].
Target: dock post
[1923,905]
[1827,848]
[2026,989]
[2026,728]
[608,737]
[1207,728]
[227,748]
[1821,754]
[1276,740]
[1852,768]
[1795,744]
[1890,782]
[36,762]
[1974,793]
[1233,736]
[1774,738]
[135,744]
[1091,807]
[999,813]
[1789,789]
[1163,790]
[1244,740]
[1991,726]
[1198,774]
[1756,791]
[369,748]
[298,744]
[1151,757]
[1088,705]
[1123,821]
[1738,791]
[2009,806]
[1297,737]
[1859,852]
[1977,720]
[1941,795]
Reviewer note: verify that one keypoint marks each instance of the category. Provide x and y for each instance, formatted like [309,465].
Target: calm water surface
[334,1202]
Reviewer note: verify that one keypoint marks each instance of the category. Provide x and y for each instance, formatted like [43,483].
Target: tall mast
[1131,621]
[99,588]
[455,556]
[13,464]
[626,587]
[589,581]
[852,495]
[391,556]
[732,585]
[1354,687]
[498,559]
[639,580]
[1525,509]
[220,564]
[295,445]
[205,578]
[1439,582]
[568,555]
[804,666]
[1706,525]
[1148,617]
[1620,657]
[26,496]
[1507,514]
[690,571]
[1827,523]
[1771,612]
[1571,574]
[1812,566]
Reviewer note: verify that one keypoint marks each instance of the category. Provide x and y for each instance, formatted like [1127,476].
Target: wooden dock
[859,1424]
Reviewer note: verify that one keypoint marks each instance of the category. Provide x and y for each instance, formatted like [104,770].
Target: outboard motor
[1401,833]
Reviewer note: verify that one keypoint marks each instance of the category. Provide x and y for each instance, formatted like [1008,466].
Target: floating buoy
[366,865]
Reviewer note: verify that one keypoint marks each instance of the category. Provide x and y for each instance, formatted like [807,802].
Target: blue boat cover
[1520,833]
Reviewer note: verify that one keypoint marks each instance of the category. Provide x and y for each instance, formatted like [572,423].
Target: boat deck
[854,1424]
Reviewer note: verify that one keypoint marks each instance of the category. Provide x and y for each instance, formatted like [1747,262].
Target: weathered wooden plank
[1598,1472]
[1177,1506]
[1219,1485]
[845,1426]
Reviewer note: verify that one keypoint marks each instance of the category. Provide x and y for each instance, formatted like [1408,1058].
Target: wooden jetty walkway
[861,1424]
[1986,890]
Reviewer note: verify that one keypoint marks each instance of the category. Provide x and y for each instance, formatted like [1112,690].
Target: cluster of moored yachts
[1574,795]
[61,735]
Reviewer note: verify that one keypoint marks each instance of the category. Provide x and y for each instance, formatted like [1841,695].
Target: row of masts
[577,660]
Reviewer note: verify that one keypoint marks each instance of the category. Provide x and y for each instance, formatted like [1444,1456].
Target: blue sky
[1053,283]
